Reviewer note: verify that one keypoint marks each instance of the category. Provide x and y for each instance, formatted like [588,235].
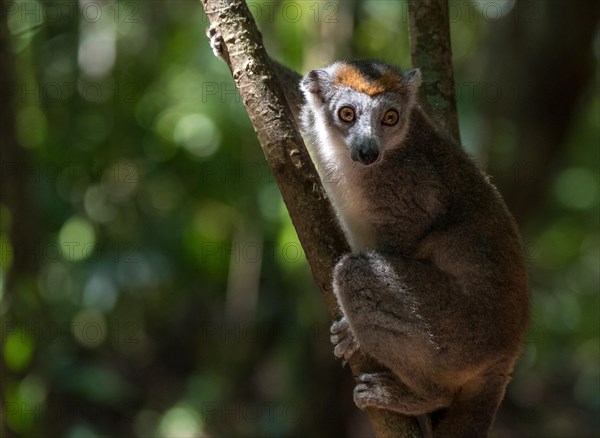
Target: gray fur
[436,287]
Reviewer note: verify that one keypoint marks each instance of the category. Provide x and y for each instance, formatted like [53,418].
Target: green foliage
[172,297]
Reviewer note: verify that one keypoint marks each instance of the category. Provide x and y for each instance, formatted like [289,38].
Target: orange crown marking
[350,77]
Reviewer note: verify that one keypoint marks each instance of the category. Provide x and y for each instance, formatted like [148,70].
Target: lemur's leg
[381,311]
[383,319]
[472,412]
[382,389]
[399,312]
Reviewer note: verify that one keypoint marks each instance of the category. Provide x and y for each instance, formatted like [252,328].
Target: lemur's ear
[314,84]
[413,80]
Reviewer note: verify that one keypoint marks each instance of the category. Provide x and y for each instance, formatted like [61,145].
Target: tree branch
[322,240]
[431,51]
[294,172]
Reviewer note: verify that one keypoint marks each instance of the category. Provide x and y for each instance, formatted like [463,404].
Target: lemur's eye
[347,114]
[390,118]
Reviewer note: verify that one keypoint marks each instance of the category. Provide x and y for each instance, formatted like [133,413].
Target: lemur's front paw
[216,42]
[343,339]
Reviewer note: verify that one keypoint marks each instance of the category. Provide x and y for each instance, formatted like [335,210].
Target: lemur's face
[366,125]
[362,107]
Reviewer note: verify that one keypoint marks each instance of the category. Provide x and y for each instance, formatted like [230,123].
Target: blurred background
[151,283]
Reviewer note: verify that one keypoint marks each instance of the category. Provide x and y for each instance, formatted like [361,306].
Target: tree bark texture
[431,51]
[311,213]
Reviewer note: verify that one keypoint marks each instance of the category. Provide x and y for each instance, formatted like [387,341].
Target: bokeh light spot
[77,239]
[32,390]
[197,134]
[576,188]
[18,349]
[121,179]
[100,293]
[89,328]
[97,204]
[180,421]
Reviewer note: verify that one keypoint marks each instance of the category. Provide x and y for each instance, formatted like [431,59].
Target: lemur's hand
[216,43]
[343,339]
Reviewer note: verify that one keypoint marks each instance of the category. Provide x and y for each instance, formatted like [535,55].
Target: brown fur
[349,76]
[436,287]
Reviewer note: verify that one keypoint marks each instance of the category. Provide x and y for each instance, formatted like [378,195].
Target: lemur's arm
[288,78]
[290,83]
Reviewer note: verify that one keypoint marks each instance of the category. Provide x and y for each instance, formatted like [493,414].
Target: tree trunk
[14,195]
[545,77]
[259,82]
[431,51]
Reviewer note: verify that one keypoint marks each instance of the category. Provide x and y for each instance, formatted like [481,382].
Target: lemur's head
[363,105]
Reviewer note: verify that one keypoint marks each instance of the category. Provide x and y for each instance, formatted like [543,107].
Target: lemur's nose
[367,155]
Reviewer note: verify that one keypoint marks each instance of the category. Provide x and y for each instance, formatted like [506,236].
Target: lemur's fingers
[340,326]
[216,41]
[346,348]
[211,30]
[340,337]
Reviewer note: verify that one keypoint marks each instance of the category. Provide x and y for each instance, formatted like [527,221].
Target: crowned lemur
[435,288]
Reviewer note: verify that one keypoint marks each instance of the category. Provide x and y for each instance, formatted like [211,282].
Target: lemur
[435,288]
